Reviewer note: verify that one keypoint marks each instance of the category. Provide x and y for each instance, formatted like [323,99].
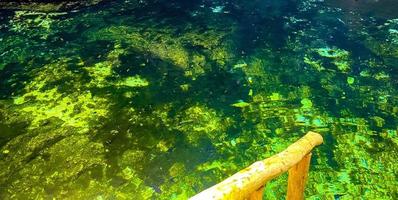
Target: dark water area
[387,9]
[161,99]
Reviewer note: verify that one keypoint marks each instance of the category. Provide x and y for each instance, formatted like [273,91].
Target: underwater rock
[239,65]
[68,155]
[198,122]
[275,96]
[350,80]
[330,57]
[384,43]
[46,6]
[240,104]
[306,103]
[170,48]
[42,101]
[332,53]
[134,81]
[176,169]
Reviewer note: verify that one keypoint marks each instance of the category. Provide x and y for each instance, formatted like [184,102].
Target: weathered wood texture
[297,178]
[242,184]
[257,195]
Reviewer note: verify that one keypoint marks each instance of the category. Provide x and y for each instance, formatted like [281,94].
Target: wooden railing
[249,183]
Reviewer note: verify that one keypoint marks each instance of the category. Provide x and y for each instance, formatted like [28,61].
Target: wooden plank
[297,179]
[242,184]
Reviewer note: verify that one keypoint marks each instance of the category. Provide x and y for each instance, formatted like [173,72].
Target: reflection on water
[159,100]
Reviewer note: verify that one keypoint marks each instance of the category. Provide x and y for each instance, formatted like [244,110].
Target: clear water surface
[162,99]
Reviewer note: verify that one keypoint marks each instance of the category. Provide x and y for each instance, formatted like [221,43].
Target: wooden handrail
[249,182]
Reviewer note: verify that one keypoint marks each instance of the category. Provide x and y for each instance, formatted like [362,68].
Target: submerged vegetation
[162,99]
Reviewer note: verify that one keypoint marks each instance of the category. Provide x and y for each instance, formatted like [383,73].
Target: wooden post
[258,194]
[297,178]
[243,184]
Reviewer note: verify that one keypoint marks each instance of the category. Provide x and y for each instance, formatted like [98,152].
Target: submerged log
[243,184]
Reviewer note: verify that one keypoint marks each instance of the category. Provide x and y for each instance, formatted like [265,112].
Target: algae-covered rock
[275,96]
[132,158]
[338,57]
[350,80]
[384,42]
[50,162]
[135,81]
[240,104]
[306,103]
[200,122]
[191,52]
[177,169]
[332,53]
[41,100]
[46,6]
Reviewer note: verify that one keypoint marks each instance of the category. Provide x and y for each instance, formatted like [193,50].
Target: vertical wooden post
[249,182]
[258,194]
[297,178]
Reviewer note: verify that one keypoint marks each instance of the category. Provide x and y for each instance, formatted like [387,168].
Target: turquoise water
[162,99]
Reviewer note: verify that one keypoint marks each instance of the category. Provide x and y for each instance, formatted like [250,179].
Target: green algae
[338,57]
[332,53]
[135,81]
[275,96]
[350,80]
[42,101]
[168,47]
[385,44]
[25,20]
[199,122]
[306,103]
[240,65]
[240,104]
